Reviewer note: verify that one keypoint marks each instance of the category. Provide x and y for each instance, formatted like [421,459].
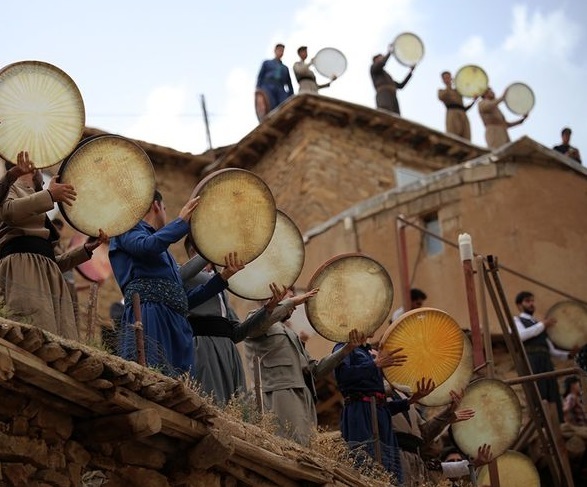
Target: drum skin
[408,49]
[115,184]
[42,112]
[519,98]
[457,382]
[471,81]
[515,470]
[356,292]
[236,213]
[570,330]
[281,262]
[497,420]
[330,62]
[433,343]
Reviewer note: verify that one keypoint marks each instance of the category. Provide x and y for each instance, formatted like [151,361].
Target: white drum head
[236,213]
[471,81]
[456,382]
[515,470]
[497,420]
[570,330]
[281,262]
[519,98]
[115,183]
[356,292]
[330,62]
[42,112]
[408,49]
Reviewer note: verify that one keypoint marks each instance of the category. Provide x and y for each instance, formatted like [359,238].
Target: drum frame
[516,112]
[468,95]
[330,75]
[402,62]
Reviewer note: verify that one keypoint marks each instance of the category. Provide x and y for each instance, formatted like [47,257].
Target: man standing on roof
[496,126]
[273,81]
[305,76]
[384,84]
[566,148]
[457,122]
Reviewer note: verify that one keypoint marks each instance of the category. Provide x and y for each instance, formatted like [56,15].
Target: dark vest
[535,344]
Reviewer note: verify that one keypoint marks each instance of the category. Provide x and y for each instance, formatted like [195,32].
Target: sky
[143,66]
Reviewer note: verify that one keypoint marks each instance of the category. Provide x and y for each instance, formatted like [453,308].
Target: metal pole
[402,250]
[205,112]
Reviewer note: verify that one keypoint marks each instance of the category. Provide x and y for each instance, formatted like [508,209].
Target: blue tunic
[140,261]
[358,379]
[273,79]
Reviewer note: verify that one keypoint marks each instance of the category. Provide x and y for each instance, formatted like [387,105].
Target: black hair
[523,295]
[157,196]
[417,294]
[279,45]
[444,72]
[566,130]
[302,48]
[569,381]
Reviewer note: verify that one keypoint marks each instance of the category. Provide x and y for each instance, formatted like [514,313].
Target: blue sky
[141,66]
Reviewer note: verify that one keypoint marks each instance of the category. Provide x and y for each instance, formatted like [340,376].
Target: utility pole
[208,138]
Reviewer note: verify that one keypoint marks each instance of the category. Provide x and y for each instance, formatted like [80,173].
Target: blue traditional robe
[273,79]
[141,263]
[358,379]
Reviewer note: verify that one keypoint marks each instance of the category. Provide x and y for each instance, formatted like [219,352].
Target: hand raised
[94,242]
[61,193]
[278,293]
[23,165]
[302,298]
[232,264]
[424,388]
[356,338]
[463,415]
[186,212]
[390,358]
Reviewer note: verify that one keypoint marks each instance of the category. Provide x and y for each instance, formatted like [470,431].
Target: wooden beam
[266,472]
[120,427]
[214,449]
[34,371]
[172,423]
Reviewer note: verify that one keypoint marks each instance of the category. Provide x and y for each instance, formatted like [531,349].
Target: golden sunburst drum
[115,183]
[41,111]
[236,213]
[497,420]
[356,292]
[408,49]
[433,343]
[330,62]
[515,470]
[471,81]
[519,98]
[570,330]
[281,262]
[457,382]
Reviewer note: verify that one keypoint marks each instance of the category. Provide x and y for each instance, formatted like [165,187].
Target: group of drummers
[274,86]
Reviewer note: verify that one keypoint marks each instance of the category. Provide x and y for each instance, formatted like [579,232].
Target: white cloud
[168,122]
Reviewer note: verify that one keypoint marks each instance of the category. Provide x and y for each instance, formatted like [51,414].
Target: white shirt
[533,331]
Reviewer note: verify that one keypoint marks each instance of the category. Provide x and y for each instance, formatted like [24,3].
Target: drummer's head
[377,58]
[489,94]
[156,216]
[446,78]
[279,48]
[566,135]
[303,52]
[525,302]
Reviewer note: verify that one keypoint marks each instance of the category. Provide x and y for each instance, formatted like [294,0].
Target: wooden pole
[375,427]
[138,326]
[541,375]
[92,302]
[258,384]
[466,251]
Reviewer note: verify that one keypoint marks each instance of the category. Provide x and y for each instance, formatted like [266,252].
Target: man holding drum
[457,122]
[539,347]
[384,84]
[496,126]
[305,76]
[31,278]
[142,264]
